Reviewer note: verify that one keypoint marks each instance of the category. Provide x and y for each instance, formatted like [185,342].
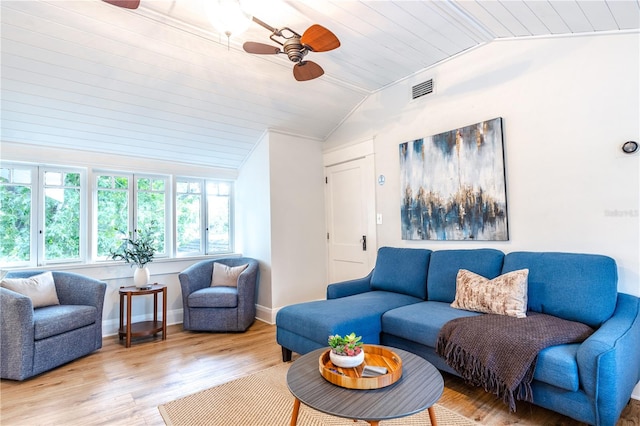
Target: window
[16,208]
[218,217]
[62,216]
[45,214]
[203,213]
[116,216]
[40,215]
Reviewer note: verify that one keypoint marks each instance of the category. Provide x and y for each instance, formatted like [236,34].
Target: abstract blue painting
[453,185]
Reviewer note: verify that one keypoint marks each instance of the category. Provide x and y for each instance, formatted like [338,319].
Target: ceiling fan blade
[319,39]
[128,4]
[260,48]
[307,70]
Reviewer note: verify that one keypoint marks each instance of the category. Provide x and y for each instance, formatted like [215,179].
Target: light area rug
[263,399]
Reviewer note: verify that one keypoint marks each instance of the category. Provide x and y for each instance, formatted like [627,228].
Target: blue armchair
[223,308]
[33,341]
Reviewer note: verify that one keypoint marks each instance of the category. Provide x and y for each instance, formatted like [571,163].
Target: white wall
[280,193]
[253,219]
[567,103]
[298,220]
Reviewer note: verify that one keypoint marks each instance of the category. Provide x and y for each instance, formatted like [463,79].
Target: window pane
[121,182]
[62,223]
[53,178]
[72,179]
[190,232]
[105,182]
[22,176]
[188,217]
[144,184]
[151,215]
[218,216]
[113,219]
[157,185]
[15,223]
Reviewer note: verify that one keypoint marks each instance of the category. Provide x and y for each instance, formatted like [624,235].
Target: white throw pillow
[39,288]
[503,295]
[226,276]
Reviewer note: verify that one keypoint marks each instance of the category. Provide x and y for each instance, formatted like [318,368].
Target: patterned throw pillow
[226,276]
[39,288]
[503,295]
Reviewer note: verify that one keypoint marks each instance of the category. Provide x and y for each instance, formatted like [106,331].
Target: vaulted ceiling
[160,82]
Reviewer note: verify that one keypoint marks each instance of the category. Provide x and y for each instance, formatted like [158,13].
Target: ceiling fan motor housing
[294,49]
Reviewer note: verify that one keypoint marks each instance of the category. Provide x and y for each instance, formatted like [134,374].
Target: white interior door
[350,201]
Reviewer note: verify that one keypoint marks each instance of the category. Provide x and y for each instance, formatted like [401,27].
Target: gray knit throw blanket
[499,352]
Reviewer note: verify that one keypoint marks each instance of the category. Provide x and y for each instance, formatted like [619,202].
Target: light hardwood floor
[120,386]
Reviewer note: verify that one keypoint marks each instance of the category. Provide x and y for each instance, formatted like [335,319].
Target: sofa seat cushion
[421,322]
[558,366]
[214,297]
[359,313]
[57,319]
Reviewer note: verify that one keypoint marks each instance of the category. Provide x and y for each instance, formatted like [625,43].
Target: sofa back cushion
[573,286]
[445,264]
[401,270]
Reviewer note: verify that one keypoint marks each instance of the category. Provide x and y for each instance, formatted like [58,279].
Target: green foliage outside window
[62,216]
[15,223]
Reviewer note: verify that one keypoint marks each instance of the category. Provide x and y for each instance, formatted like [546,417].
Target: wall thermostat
[381,180]
[629,147]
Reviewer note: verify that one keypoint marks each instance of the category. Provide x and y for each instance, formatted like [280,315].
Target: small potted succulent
[346,351]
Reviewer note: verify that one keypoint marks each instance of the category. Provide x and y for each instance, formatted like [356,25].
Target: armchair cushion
[39,288]
[53,320]
[226,276]
[214,297]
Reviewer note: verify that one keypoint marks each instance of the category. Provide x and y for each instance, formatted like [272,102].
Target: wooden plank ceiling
[160,82]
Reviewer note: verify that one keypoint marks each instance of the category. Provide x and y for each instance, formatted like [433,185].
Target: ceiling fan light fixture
[227,16]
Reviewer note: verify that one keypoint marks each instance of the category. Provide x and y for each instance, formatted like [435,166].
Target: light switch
[379,218]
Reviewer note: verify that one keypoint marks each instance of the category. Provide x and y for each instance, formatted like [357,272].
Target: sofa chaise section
[398,279]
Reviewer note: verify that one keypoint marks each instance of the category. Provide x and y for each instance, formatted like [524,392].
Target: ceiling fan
[129,4]
[315,39]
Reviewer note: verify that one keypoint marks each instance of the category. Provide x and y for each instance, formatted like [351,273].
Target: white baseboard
[265,314]
[636,392]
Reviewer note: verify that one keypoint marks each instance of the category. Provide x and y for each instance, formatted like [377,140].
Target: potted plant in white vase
[137,251]
[346,351]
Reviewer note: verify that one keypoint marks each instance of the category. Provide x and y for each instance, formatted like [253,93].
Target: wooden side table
[143,328]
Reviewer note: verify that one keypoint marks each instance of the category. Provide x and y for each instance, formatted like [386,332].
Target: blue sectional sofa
[406,299]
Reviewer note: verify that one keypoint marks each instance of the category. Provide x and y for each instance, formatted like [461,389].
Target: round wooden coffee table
[420,386]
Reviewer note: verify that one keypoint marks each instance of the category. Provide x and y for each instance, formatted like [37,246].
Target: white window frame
[37,219]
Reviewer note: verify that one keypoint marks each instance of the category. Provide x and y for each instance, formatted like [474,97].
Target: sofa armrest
[76,289]
[608,361]
[195,277]
[16,335]
[247,286]
[349,288]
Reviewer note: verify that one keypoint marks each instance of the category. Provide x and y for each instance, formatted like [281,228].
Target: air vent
[422,89]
